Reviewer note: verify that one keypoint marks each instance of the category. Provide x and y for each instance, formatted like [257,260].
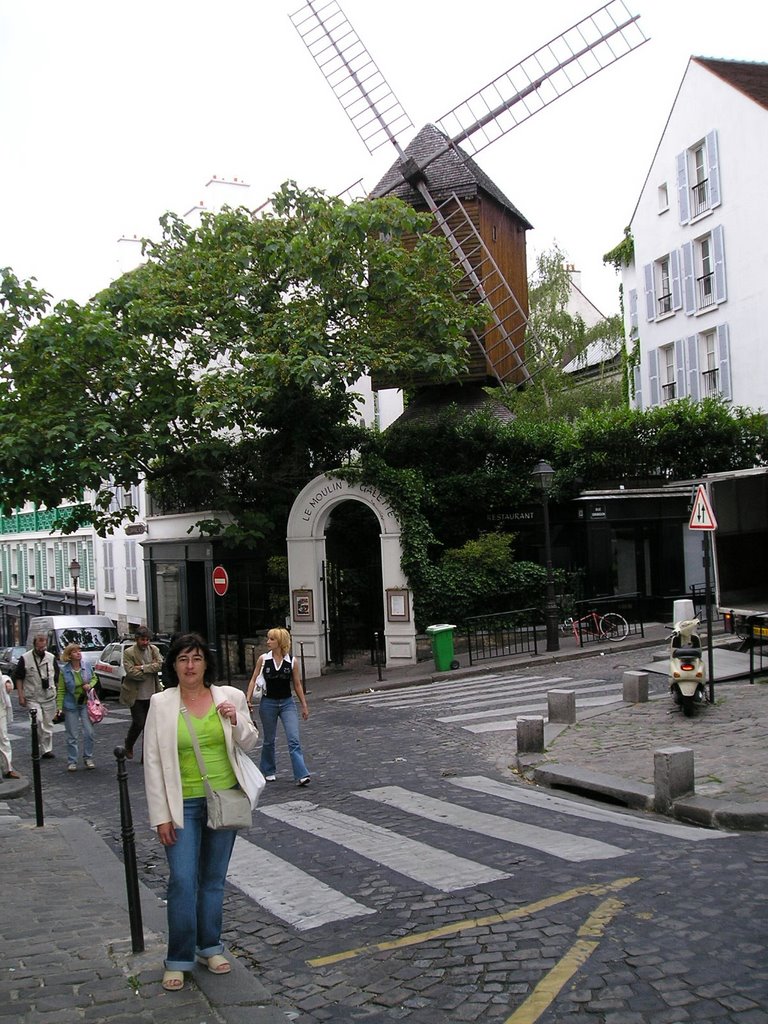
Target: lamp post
[74,572]
[543,474]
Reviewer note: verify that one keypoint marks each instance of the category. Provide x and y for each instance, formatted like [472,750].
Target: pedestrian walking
[37,677]
[280,672]
[142,664]
[198,856]
[72,698]
[6,717]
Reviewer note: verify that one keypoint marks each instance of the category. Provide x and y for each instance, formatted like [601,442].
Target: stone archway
[306,555]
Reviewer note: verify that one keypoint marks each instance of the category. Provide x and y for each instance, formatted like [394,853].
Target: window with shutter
[718,245]
[692,344]
[683,204]
[653,375]
[724,361]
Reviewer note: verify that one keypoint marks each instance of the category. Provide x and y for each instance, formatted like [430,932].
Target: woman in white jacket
[198,857]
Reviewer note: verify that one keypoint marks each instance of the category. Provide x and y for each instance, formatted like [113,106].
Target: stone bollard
[530,734]
[672,776]
[635,686]
[561,705]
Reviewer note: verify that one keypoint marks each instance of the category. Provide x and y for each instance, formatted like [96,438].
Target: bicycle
[610,626]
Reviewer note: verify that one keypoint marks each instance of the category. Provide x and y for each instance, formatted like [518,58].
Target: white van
[91,632]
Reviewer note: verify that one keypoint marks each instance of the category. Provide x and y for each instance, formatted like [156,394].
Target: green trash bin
[442,646]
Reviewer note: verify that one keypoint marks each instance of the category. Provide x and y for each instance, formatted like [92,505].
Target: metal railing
[758,646]
[705,288]
[587,615]
[502,634]
[700,197]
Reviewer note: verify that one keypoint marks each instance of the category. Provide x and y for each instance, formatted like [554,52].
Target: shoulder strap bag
[227,808]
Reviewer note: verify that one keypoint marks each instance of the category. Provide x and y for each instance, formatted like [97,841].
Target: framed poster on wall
[303,606]
[398,606]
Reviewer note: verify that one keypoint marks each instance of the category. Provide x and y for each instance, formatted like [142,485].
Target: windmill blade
[351,72]
[579,53]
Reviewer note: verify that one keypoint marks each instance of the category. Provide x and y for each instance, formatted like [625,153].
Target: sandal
[173,981]
[216,964]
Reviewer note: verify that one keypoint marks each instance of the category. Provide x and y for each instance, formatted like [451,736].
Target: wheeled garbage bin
[442,646]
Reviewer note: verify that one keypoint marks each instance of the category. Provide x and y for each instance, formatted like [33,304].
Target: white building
[696,290]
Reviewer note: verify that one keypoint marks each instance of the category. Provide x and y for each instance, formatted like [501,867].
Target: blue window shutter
[713,169]
[718,243]
[681,389]
[653,375]
[638,387]
[650,298]
[724,361]
[674,273]
[683,197]
[692,344]
[689,294]
[632,309]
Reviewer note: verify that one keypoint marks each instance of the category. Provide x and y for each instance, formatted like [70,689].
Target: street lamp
[74,572]
[543,474]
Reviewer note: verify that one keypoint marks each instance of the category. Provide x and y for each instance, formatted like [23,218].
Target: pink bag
[96,709]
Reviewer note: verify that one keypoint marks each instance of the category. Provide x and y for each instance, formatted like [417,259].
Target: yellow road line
[550,986]
[600,889]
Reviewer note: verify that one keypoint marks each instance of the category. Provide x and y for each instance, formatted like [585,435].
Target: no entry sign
[220,581]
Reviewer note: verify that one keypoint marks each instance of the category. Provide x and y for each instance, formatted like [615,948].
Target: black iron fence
[607,618]
[503,634]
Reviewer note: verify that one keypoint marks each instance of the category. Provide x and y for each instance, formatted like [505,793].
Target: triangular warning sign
[702,516]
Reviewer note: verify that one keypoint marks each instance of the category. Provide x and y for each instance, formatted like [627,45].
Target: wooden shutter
[683,193]
[718,244]
[724,361]
[632,310]
[689,281]
[653,375]
[713,169]
[694,389]
[681,387]
[650,297]
[674,273]
[638,378]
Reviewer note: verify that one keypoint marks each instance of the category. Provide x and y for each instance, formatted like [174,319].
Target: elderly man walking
[142,664]
[37,675]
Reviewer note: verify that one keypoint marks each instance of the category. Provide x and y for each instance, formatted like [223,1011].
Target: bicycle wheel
[613,626]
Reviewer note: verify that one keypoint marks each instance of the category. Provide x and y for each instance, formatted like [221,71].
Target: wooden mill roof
[749,77]
[453,171]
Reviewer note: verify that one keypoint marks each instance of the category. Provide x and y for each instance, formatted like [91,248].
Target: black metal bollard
[377,645]
[303,669]
[129,855]
[36,775]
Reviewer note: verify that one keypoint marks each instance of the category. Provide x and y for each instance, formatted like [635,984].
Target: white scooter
[687,674]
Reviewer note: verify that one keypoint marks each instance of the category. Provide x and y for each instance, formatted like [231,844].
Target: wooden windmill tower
[437,172]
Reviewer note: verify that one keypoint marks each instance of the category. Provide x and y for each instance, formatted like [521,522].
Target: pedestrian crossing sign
[702,516]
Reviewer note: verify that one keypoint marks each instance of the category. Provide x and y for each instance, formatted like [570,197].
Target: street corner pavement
[611,753]
[70,950]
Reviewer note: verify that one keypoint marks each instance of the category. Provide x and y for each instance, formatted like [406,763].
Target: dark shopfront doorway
[352,579]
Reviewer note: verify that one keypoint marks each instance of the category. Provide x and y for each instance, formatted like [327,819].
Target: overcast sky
[113,111]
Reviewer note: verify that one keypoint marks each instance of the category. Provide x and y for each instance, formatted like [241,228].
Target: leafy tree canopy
[228,354]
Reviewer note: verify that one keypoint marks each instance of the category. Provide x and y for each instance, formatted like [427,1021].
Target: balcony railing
[705,290]
[700,197]
[665,304]
[710,379]
[668,391]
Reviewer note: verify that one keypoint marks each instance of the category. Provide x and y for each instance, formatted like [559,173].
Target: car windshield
[88,638]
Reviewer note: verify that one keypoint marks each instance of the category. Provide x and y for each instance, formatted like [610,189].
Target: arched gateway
[307,525]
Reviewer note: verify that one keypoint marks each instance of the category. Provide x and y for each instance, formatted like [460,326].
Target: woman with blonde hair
[276,671]
[72,698]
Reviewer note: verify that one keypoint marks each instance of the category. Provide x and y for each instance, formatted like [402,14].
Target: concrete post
[530,734]
[635,686]
[672,776]
[561,707]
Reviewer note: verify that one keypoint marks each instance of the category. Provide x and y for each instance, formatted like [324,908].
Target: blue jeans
[198,863]
[76,720]
[269,712]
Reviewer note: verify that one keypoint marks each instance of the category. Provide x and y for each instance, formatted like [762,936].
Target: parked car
[109,669]
[9,658]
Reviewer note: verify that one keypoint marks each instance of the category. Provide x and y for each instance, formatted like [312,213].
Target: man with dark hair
[36,676]
[142,664]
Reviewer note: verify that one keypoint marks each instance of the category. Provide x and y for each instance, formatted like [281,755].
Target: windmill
[437,171]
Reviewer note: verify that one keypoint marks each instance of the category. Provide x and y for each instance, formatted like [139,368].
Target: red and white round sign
[220,581]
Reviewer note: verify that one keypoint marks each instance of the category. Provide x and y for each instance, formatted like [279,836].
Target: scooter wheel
[688,707]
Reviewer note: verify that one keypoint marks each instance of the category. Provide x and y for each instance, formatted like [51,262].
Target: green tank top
[210,736]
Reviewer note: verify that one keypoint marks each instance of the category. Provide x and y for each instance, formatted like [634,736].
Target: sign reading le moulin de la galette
[331,490]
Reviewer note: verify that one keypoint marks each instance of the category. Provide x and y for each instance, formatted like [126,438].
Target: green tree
[227,357]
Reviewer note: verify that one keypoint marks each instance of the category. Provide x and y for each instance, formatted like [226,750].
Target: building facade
[696,290]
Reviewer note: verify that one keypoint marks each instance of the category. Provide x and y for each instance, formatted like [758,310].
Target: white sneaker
[270,778]
[303,782]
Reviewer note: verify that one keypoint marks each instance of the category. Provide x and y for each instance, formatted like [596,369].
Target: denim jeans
[198,863]
[75,721]
[269,712]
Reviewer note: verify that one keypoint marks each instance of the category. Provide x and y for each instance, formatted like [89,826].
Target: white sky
[113,111]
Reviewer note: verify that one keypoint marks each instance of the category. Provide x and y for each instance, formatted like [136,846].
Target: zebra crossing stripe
[427,864]
[286,891]
[515,709]
[540,798]
[508,724]
[552,842]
